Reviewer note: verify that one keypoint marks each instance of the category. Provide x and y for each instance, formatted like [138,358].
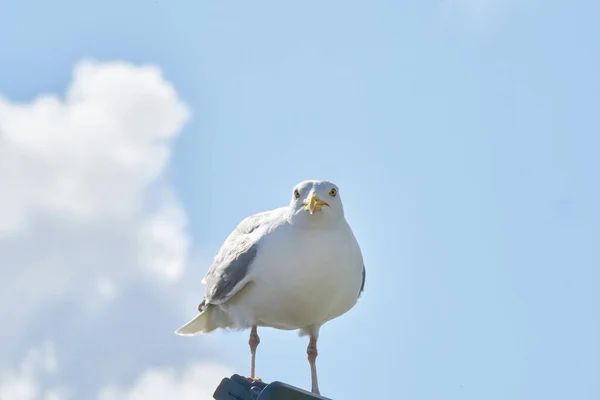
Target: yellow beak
[313,203]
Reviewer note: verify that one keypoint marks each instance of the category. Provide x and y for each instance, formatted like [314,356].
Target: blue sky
[463,135]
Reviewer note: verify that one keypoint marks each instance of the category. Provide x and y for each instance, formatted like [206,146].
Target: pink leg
[253,342]
[312,352]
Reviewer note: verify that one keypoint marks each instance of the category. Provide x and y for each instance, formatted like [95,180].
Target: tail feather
[208,320]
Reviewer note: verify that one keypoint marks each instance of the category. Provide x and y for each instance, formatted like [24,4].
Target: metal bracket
[240,388]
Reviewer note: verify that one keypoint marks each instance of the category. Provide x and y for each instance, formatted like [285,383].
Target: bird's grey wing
[364,277]
[229,271]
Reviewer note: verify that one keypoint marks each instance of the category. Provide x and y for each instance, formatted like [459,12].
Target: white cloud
[56,394]
[17,388]
[91,155]
[198,381]
[84,205]
[94,241]
[40,359]
[163,248]
[24,382]
[106,288]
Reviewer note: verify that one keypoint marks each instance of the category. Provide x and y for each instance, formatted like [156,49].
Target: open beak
[313,203]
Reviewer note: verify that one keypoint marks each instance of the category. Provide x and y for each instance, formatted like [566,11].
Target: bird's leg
[253,342]
[311,350]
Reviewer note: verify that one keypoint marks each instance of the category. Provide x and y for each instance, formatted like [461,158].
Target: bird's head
[316,203]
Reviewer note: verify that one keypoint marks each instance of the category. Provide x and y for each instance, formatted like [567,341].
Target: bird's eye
[332,192]
[296,194]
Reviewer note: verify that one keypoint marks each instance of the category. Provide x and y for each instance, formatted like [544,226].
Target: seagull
[291,268]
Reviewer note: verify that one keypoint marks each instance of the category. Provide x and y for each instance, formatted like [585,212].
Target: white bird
[294,267]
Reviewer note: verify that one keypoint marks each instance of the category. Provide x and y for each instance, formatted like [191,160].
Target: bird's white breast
[301,278]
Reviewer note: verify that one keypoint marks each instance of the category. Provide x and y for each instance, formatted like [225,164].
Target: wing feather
[229,272]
